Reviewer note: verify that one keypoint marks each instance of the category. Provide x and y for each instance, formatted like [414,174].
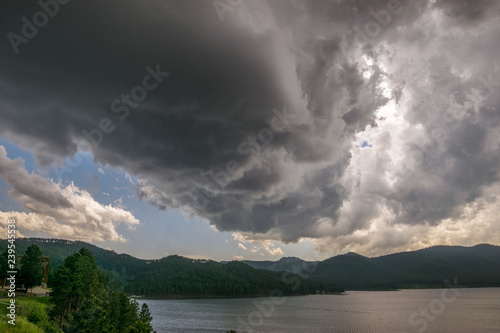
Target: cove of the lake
[424,310]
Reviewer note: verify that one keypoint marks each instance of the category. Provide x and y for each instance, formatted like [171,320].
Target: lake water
[429,310]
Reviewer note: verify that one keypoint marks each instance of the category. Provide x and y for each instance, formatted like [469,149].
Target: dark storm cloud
[254,125]
[467,10]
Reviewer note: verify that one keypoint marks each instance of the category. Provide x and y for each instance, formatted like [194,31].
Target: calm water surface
[430,310]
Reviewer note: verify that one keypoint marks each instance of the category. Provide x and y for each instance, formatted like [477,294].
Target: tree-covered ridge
[288,264]
[476,266]
[233,279]
[58,249]
[176,276]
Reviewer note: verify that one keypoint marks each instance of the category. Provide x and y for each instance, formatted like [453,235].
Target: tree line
[211,279]
[176,276]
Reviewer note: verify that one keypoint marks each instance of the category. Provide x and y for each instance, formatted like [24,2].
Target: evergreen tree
[4,267]
[92,316]
[128,312]
[31,272]
[145,315]
[143,322]
[76,279]
[61,293]
[91,303]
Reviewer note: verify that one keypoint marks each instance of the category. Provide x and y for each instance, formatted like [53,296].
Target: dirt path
[39,291]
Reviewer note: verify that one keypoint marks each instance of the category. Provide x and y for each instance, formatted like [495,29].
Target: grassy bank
[33,318]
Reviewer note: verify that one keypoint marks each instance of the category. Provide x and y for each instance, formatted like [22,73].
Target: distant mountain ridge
[475,266]
[288,264]
[179,277]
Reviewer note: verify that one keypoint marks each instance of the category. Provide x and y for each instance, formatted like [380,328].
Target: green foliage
[31,271]
[92,316]
[4,265]
[143,325]
[33,318]
[175,276]
[76,279]
[145,315]
[86,301]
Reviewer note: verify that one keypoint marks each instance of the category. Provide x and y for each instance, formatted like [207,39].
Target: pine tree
[76,279]
[91,303]
[145,315]
[31,272]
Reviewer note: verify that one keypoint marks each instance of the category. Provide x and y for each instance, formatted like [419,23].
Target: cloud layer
[259,124]
[56,210]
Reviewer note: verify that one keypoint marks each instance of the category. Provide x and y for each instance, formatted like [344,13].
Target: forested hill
[176,276]
[476,266]
[181,276]
[289,264]
[120,266]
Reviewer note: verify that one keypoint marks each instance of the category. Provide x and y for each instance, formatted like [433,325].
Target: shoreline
[225,297]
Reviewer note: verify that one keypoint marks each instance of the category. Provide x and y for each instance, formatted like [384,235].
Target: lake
[424,310]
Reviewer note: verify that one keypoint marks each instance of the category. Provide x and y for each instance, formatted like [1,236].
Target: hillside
[288,264]
[477,266]
[176,276]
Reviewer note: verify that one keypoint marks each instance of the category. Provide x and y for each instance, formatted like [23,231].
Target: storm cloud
[260,122]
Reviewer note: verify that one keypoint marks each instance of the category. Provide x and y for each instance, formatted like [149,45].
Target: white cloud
[57,210]
[477,224]
[272,251]
[238,257]
[129,178]
[259,242]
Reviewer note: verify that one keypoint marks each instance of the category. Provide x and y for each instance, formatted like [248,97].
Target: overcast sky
[254,129]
